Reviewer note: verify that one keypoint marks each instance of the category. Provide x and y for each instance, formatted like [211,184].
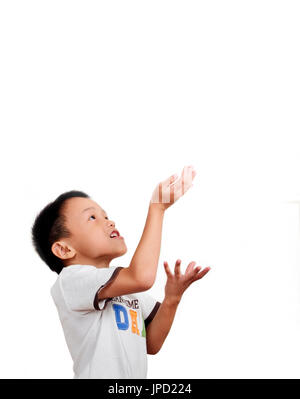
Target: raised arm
[145,259]
[141,273]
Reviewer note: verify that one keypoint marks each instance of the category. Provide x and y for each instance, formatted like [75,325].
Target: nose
[111,223]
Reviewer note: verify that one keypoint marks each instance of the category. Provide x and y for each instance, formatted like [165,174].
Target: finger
[172,179]
[202,274]
[166,190]
[169,180]
[160,193]
[185,181]
[187,178]
[197,269]
[177,268]
[172,198]
[190,267]
[167,269]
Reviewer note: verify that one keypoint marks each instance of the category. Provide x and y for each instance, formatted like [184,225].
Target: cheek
[94,241]
[99,239]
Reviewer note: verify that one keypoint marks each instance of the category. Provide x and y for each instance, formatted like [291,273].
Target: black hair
[50,226]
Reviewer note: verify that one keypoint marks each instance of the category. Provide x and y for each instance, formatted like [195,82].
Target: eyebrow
[92,207]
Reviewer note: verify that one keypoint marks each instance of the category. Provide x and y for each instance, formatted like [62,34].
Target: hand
[169,190]
[177,283]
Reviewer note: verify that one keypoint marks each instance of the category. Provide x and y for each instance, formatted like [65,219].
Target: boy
[110,324]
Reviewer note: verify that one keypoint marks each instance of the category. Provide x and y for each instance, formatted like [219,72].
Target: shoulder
[85,270]
[79,276]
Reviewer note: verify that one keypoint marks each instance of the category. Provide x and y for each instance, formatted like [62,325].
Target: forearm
[145,259]
[160,326]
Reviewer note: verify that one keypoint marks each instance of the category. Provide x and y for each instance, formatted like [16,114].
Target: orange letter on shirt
[134,326]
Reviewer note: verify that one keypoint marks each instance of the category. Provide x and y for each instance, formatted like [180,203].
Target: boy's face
[90,229]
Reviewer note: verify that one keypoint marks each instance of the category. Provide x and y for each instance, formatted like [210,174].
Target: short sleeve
[81,284]
[149,306]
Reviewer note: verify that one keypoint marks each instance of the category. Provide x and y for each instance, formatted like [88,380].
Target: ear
[62,250]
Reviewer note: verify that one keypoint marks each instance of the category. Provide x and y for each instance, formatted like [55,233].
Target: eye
[106,217]
[92,216]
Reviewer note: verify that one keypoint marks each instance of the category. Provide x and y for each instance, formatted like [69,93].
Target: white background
[112,97]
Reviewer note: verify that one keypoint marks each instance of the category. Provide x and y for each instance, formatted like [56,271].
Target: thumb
[173,178]
[170,180]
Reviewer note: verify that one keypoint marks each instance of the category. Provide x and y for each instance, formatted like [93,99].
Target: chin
[124,251]
[121,252]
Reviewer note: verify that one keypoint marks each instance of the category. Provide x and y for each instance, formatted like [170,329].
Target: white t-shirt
[107,338]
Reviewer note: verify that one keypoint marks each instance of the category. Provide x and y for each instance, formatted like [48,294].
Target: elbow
[143,279]
[152,352]
[146,282]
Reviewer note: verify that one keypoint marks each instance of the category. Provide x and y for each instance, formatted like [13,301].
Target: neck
[102,262]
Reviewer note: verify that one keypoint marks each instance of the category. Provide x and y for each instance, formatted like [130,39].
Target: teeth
[114,235]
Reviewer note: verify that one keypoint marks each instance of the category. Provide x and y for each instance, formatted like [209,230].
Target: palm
[177,283]
[170,190]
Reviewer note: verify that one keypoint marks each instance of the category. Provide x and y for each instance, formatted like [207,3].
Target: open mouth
[115,234]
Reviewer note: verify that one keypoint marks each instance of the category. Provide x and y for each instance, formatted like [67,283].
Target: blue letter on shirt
[118,309]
